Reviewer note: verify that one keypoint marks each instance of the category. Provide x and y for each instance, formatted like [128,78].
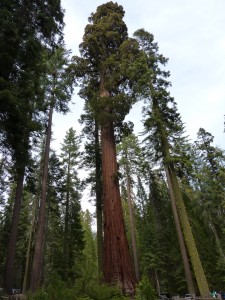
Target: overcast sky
[191,33]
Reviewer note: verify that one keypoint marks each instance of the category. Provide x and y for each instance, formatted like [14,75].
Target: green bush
[55,291]
[104,292]
[58,290]
[144,290]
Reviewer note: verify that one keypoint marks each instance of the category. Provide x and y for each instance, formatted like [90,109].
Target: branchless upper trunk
[117,262]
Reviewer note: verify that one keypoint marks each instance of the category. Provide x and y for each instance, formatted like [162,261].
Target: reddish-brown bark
[117,262]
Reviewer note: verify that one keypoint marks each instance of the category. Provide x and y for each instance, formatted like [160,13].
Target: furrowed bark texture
[117,262]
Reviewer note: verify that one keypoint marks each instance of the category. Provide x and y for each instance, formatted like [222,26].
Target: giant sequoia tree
[111,61]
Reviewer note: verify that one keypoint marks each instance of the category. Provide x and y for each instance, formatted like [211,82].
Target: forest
[159,198]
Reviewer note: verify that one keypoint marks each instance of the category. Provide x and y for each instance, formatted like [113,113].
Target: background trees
[58,91]
[54,235]
[24,28]
[73,234]
[164,123]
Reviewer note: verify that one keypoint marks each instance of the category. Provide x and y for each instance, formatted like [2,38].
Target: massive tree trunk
[40,238]
[11,251]
[117,261]
[98,190]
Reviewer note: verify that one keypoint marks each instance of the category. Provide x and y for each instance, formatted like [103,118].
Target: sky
[191,34]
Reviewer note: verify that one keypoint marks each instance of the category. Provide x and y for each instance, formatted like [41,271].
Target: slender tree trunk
[187,270]
[117,262]
[11,251]
[218,242]
[98,189]
[175,193]
[66,230]
[28,256]
[157,283]
[40,238]
[188,236]
[132,225]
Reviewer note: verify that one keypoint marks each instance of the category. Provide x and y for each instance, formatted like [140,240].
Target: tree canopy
[159,198]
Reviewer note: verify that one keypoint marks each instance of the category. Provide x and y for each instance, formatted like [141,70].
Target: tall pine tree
[164,123]
[58,91]
[73,234]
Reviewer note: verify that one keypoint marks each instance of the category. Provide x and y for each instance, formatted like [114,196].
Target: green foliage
[60,290]
[110,62]
[35,73]
[5,222]
[57,80]
[204,197]
[73,235]
[89,262]
[21,46]
[157,239]
[103,292]
[144,290]
[56,290]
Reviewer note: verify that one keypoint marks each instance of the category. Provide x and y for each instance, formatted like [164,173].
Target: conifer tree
[89,260]
[26,28]
[164,123]
[92,163]
[112,62]
[209,196]
[58,87]
[156,231]
[53,243]
[73,235]
[129,151]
